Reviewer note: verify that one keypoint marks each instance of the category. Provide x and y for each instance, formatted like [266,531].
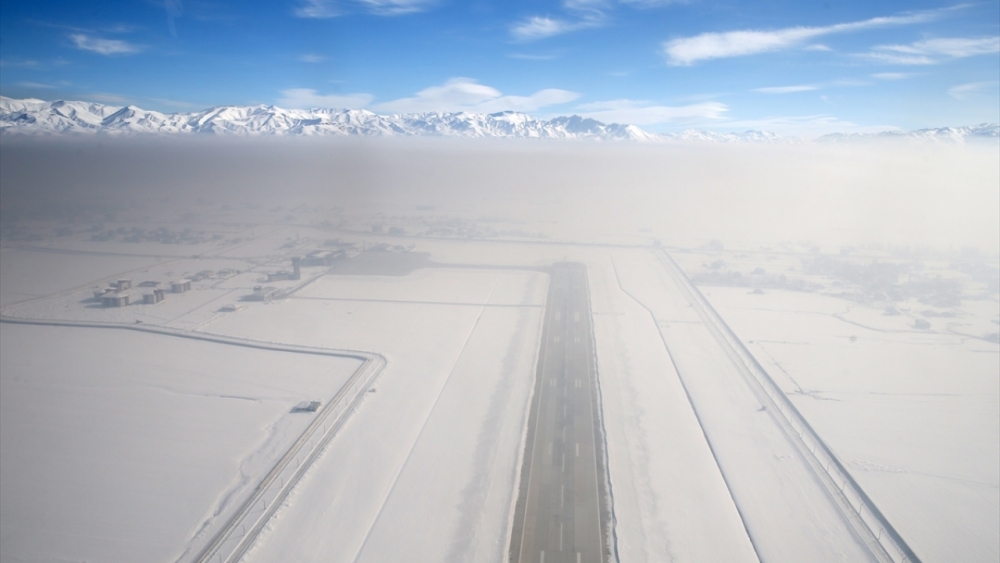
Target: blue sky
[791,66]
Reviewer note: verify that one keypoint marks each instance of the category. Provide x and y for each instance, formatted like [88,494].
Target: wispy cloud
[122,28]
[311,58]
[465,94]
[530,57]
[396,7]
[541,27]
[174,9]
[891,75]
[35,85]
[583,14]
[689,50]
[321,9]
[307,98]
[104,46]
[107,98]
[786,89]
[963,91]
[26,63]
[638,112]
[651,3]
[931,51]
[807,126]
[176,103]
[317,9]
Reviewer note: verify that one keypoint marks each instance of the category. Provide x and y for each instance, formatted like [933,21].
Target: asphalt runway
[561,510]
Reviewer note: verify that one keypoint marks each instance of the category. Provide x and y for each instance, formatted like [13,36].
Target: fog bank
[846,195]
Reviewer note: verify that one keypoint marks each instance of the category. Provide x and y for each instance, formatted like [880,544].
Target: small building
[203,275]
[322,257]
[154,298]
[296,268]
[180,286]
[262,294]
[115,299]
[231,308]
[307,406]
[280,276]
[149,283]
[123,284]
[100,291]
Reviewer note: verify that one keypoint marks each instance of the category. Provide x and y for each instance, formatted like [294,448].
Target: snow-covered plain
[117,445]
[426,468]
[915,415]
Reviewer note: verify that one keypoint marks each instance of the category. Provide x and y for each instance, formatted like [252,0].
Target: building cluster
[119,293]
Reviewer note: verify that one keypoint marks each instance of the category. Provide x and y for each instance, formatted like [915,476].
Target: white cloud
[962,91]
[317,9]
[307,98]
[540,27]
[786,89]
[818,47]
[311,58]
[174,10]
[688,50]
[891,75]
[464,94]
[585,14]
[320,9]
[25,63]
[104,46]
[531,57]
[637,112]
[34,85]
[930,51]
[176,103]
[396,7]
[107,98]
[807,126]
[651,3]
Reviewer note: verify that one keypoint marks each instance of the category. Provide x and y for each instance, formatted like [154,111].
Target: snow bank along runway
[563,512]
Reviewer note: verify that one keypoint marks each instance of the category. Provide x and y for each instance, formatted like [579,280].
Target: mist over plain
[901,196]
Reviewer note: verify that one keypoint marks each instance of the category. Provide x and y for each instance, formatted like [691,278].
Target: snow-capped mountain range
[38,117]
[938,134]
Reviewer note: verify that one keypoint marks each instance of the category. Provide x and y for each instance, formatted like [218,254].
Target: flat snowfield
[117,445]
[670,500]
[913,414]
[426,468]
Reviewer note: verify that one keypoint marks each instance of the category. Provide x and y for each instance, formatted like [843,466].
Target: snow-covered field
[670,501]
[914,414]
[117,445]
[426,468]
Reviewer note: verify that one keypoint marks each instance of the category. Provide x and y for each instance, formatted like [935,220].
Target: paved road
[562,500]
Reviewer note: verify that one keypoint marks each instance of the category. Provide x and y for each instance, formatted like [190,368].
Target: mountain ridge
[62,117]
